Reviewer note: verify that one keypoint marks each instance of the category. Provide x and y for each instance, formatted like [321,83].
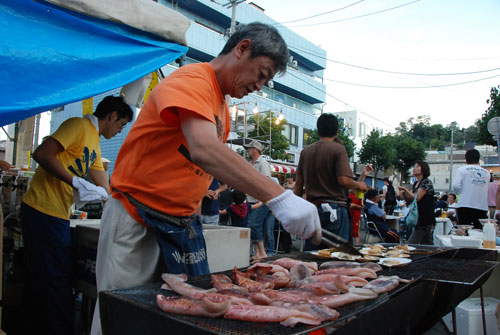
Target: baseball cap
[254,144]
[105,160]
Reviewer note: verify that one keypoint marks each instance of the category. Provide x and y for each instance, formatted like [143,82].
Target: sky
[421,36]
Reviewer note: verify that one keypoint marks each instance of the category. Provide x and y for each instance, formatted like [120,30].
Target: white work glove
[84,192]
[297,215]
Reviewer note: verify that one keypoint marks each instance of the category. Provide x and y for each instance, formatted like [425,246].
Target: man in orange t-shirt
[166,164]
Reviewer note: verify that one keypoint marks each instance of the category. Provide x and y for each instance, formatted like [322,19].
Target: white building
[443,172]
[359,125]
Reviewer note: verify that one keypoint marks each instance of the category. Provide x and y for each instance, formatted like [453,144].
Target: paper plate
[393,261]
[408,247]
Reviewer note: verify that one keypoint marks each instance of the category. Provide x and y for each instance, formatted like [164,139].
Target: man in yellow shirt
[64,159]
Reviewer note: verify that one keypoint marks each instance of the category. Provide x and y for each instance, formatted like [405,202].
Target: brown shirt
[319,165]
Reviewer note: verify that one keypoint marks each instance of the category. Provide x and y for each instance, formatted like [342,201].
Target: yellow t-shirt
[82,152]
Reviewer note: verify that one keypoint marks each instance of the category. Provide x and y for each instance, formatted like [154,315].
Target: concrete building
[440,164]
[359,125]
[299,94]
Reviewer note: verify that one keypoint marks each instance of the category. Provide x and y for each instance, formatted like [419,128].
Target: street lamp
[451,156]
[494,129]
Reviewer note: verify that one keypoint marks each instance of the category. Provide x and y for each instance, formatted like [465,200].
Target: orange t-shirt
[154,164]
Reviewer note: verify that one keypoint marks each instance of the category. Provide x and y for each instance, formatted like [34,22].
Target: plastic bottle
[489,236]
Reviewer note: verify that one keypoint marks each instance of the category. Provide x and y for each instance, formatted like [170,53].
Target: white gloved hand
[297,215]
[84,192]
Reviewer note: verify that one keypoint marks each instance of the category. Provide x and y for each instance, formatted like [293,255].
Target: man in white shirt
[471,182]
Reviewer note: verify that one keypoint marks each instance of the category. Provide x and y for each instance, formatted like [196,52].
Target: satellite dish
[494,126]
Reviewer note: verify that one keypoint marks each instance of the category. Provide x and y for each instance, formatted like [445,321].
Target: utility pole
[233,4]
[451,157]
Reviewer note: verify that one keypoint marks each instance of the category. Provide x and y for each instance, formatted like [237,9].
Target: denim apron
[180,239]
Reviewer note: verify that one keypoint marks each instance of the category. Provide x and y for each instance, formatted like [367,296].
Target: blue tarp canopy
[50,56]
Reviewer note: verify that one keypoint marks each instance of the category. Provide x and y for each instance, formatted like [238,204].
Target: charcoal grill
[440,284]
[134,311]
[454,271]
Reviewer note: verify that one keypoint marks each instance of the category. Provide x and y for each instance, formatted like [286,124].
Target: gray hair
[266,41]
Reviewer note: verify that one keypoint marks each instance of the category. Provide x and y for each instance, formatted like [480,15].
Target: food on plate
[397,253]
[344,256]
[325,252]
[405,247]
[394,261]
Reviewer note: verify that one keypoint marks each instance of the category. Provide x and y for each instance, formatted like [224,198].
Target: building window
[290,157]
[294,134]
[447,180]
[286,131]
[362,129]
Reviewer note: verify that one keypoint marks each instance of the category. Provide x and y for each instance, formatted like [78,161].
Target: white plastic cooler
[469,321]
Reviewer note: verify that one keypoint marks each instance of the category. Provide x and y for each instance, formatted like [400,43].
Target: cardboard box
[227,247]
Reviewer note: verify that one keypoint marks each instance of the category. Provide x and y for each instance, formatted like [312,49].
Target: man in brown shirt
[325,175]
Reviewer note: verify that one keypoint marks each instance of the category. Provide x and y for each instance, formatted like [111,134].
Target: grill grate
[145,298]
[456,271]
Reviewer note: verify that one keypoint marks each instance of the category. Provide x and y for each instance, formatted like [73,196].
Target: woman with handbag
[423,192]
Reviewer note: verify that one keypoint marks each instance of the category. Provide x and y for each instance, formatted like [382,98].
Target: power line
[354,17]
[411,87]
[393,72]
[343,102]
[323,13]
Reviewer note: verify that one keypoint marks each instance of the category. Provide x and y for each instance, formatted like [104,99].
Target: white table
[393,221]
[445,241]
[443,226]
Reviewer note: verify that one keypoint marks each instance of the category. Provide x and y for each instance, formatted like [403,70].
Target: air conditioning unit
[295,63]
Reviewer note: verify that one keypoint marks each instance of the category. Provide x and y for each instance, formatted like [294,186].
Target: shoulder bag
[412,216]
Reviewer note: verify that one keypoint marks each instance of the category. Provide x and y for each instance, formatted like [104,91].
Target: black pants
[471,216]
[389,209]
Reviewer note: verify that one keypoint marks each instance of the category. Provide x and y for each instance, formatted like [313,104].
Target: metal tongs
[338,242]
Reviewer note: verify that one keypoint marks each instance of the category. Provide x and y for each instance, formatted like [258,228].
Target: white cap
[105,160]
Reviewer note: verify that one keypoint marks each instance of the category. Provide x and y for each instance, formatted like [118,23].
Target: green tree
[313,137]
[493,110]
[407,151]
[260,131]
[349,144]
[471,134]
[377,151]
